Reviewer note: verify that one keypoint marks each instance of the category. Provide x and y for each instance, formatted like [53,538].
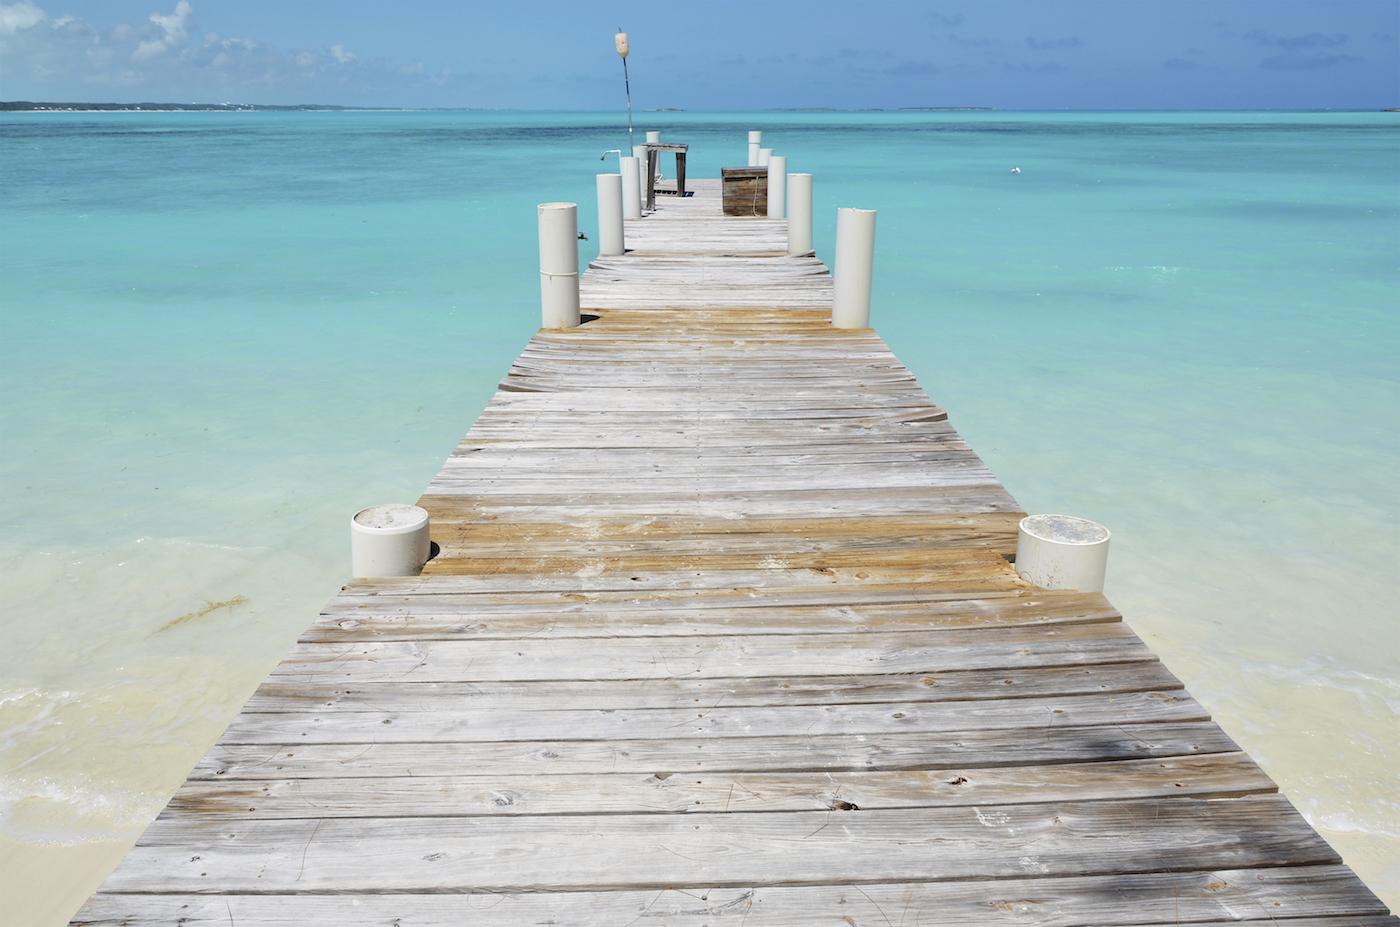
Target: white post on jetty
[855,266]
[631,188]
[777,187]
[559,264]
[654,138]
[755,139]
[389,540]
[1062,552]
[764,156]
[610,224]
[799,210]
[640,153]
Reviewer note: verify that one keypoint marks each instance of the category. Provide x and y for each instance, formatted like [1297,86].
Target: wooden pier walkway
[723,632]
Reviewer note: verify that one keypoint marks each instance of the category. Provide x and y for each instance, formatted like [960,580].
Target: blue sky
[1018,54]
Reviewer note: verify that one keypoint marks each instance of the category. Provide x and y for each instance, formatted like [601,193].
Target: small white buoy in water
[1015,170]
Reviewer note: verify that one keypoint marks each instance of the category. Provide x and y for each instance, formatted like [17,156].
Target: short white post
[610,214]
[640,153]
[755,139]
[777,187]
[855,266]
[654,138]
[1062,552]
[631,188]
[389,540]
[799,208]
[559,264]
[764,156]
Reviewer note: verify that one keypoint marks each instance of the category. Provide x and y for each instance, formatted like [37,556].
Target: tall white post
[640,153]
[777,187]
[855,265]
[755,139]
[764,155]
[799,207]
[1062,552]
[389,540]
[610,214]
[559,264]
[631,188]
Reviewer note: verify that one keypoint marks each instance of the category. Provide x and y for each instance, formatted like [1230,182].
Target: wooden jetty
[723,631]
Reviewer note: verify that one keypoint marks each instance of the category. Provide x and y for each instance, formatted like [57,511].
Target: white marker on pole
[755,139]
[559,264]
[855,266]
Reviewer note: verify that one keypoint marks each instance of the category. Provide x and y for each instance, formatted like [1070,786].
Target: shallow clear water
[224,333]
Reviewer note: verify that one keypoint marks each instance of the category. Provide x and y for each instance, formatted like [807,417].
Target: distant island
[24,106]
[876,109]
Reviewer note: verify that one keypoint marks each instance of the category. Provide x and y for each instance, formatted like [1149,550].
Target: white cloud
[169,58]
[176,25]
[17,16]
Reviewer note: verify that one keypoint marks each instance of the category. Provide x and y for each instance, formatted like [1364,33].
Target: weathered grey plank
[835,753]
[1301,896]
[459,617]
[655,851]
[718,657]
[1214,776]
[439,724]
[276,694]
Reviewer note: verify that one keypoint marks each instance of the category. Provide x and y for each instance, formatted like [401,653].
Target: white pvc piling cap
[1064,529]
[392,518]
[389,540]
[1062,552]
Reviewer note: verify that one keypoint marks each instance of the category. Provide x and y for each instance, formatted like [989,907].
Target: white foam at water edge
[114,694]
[49,812]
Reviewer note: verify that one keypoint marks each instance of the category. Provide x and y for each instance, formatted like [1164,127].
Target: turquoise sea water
[222,334]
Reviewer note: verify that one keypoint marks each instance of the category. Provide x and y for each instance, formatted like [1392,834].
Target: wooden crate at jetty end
[745,191]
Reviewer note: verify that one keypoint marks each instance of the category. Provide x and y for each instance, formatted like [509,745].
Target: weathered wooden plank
[656,851]
[276,694]
[1216,776]
[406,617]
[1300,896]
[876,653]
[461,723]
[856,752]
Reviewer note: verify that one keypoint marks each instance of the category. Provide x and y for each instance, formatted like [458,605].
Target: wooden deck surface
[723,632]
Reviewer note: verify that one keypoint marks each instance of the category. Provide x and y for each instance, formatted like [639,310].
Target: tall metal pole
[621,41]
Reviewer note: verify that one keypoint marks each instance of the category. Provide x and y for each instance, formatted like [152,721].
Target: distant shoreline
[25,106]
